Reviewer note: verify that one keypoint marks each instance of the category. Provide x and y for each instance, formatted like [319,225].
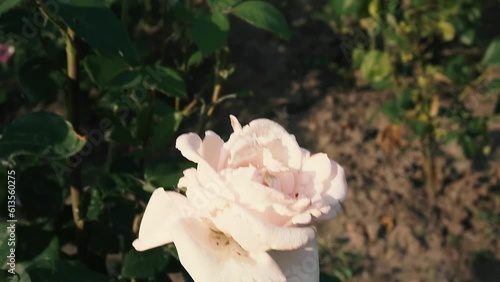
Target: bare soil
[388,230]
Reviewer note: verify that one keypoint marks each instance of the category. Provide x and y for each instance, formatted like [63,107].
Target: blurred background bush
[402,93]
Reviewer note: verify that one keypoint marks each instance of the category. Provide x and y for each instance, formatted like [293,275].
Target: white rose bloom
[249,206]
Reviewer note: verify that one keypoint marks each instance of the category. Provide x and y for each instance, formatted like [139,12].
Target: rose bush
[248,207]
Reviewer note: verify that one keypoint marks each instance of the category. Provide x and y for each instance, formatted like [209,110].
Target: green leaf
[8,4]
[457,69]
[18,277]
[144,264]
[129,79]
[418,127]
[376,68]
[166,125]
[98,25]
[418,3]
[476,126]
[210,32]
[341,9]
[103,68]
[450,136]
[468,146]
[118,184]
[41,134]
[122,135]
[119,132]
[37,246]
[221,5]
[112,72]
[172,251]
[195,59]
[39,80]
[163,174]
[493,86]
[468,36]
[179,14]
[61,270]
[491,57]
[404,99]
[357,57]
[447,30]
[263,15]
[343,273]
[392,110]
[164,79]
[93,204]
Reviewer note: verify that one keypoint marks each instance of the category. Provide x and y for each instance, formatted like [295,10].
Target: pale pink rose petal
[305,153]
[301,203]
[273,215]
[207,259]
[253,193]
[190,179]
[204,188]
[319,165]
[338,186]
[266,131]
[299,265]
[212,181]
[233,138]
[286,182]
[228,151]
[189,144]
[240,185]
[336,191]
[194,149]
[163,212]
[303,218]
[245,153]
[253,234]
[295,153]
[235,124]
[286,150]
[211,149]
[271,162]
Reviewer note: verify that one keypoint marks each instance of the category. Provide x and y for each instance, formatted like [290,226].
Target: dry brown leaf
[433,111]
[390,138]
[388,223]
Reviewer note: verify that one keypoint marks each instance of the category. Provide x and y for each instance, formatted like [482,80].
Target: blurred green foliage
[430,55]
[105,86]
